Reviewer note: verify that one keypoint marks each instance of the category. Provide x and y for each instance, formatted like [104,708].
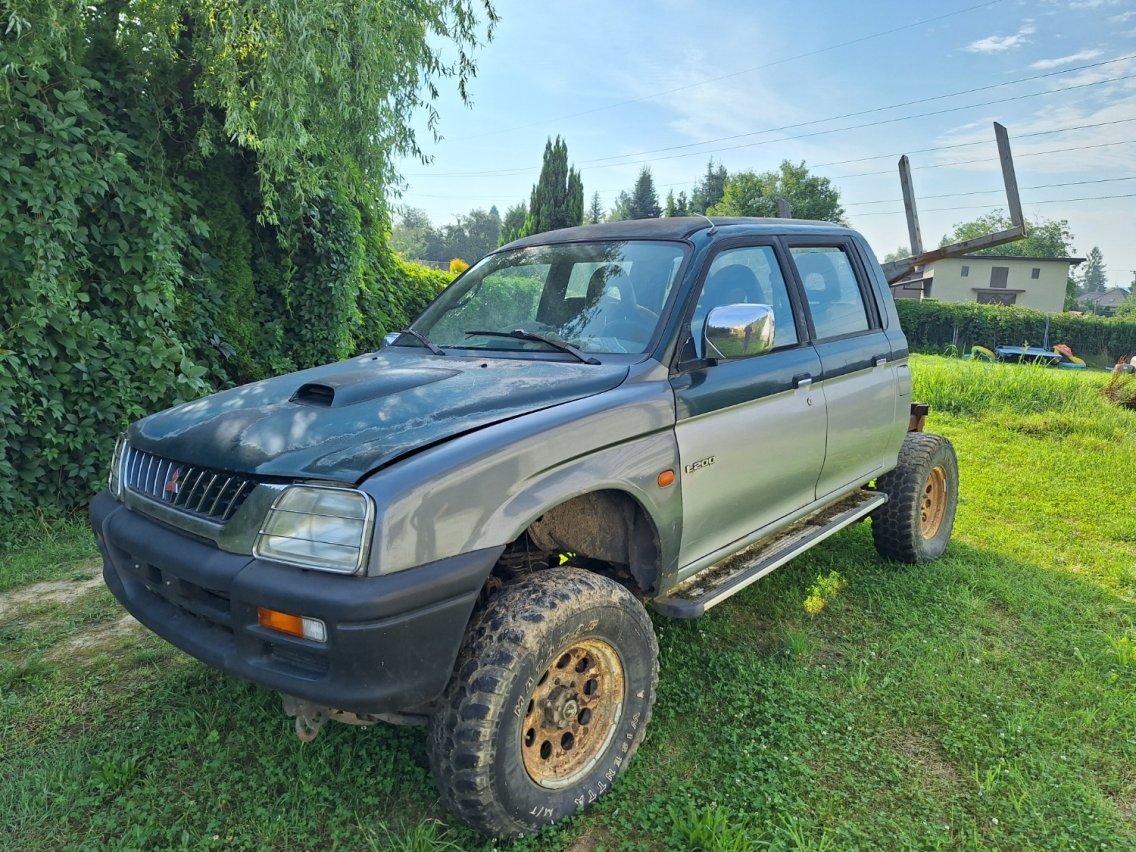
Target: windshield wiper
[424,340]
[521,334]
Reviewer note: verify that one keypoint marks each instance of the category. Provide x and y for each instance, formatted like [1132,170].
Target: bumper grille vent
[199,491]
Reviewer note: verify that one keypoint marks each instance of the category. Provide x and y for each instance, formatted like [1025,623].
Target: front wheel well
[607,527]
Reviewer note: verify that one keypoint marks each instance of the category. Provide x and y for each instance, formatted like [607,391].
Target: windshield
[602,297]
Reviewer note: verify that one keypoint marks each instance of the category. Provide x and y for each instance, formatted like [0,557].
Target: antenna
[713,228]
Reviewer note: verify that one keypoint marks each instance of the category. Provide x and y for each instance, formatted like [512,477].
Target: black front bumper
[391,640]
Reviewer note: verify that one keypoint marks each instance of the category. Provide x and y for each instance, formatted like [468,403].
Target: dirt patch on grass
[57,591]
[44,609]
[928,760]
[95,638]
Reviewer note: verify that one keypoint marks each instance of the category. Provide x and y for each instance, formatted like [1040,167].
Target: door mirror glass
[738,331]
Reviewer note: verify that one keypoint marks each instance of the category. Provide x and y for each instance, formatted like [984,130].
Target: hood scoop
[352,387]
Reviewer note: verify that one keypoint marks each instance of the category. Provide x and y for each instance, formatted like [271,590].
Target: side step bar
[714,584]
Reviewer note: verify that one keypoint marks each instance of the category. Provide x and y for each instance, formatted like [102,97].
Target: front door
[751,431]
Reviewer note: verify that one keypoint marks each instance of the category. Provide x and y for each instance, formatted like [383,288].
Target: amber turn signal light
[293,625]
[666,478]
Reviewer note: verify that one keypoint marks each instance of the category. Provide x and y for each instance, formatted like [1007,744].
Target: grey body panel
[488,486]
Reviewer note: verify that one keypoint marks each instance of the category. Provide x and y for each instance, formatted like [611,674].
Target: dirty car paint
[385,405]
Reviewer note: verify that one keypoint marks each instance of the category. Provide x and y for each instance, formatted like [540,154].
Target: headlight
[114,481]
[313,526]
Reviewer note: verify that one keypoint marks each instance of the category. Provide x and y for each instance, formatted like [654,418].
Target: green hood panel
[341,421]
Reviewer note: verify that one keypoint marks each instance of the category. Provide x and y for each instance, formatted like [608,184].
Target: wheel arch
[609,525]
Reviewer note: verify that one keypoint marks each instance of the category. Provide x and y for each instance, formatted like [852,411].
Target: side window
[832,291]
[749,276]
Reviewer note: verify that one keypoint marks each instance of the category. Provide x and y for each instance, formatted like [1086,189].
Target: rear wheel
[915,524]
[549,700]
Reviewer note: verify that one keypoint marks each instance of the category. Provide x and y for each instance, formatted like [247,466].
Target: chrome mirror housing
[738,331]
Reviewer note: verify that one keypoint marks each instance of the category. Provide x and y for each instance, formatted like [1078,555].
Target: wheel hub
[572,713]
[560,707]
[933,503]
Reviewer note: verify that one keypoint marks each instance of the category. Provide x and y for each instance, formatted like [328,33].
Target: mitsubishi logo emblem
[172,482]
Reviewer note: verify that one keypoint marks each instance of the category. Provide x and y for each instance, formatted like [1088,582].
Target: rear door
[751,431]
[858,370]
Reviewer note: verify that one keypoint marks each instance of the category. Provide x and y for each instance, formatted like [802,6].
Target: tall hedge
[934,327]
[140,263]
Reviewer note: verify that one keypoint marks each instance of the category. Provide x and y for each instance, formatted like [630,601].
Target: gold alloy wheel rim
[933,504]
[572,713]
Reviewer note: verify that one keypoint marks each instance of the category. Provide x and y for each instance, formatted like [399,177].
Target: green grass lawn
[988,699]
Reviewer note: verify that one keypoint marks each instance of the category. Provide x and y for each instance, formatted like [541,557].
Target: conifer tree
[595,211]
[1095,280]
[644,202]
[557,199]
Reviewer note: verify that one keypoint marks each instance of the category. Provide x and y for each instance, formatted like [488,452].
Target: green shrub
[939,327]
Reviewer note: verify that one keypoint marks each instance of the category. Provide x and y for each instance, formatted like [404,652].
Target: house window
[1035,273]
[966,272]
[999,275]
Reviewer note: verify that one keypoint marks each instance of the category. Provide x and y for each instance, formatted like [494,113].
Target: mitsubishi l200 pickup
[466,528]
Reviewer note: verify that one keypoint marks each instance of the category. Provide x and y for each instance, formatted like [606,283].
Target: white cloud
[997,44]
[1122,17]
[1083,56]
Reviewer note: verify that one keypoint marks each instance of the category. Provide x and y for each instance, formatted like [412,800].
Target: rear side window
[831,289]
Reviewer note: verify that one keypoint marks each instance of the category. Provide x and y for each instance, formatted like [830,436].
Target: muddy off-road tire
[915,524]
[549,700]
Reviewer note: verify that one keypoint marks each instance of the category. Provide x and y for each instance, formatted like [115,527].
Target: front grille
[200,491]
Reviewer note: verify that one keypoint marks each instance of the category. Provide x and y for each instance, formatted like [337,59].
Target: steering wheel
[637,325]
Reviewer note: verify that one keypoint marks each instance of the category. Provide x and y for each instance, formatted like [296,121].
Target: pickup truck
[465,529]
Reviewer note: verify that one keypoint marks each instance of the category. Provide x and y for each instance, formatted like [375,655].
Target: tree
[709,190]
[470,238]
[677,206]
[193,198]
[621,207]
[413,236]
[1044,237]
[1127,308]
[557,199]
[752,194]
[595,210]
[1093,277]
[513,222]
[900,253]
[643,202]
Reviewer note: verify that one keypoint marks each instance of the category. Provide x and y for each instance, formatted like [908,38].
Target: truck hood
[341,421]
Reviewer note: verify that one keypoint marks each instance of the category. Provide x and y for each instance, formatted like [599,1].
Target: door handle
[881,360]
[802,381]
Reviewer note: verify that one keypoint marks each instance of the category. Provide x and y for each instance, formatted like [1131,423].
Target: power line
[894,120]
[1017,137]
[864,111]
[744,71]
[914,168]
[992,191]
[985,207]
[984,160]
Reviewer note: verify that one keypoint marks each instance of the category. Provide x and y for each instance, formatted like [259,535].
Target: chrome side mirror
[737,331]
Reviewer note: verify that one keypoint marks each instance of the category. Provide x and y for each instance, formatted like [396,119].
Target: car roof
[677,228]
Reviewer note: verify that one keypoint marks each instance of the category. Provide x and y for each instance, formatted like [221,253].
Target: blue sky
[668,84]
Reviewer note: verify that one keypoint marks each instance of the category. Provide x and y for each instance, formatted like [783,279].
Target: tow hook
[309,717]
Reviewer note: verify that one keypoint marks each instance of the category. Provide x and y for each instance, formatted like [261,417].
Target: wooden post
[913,232]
